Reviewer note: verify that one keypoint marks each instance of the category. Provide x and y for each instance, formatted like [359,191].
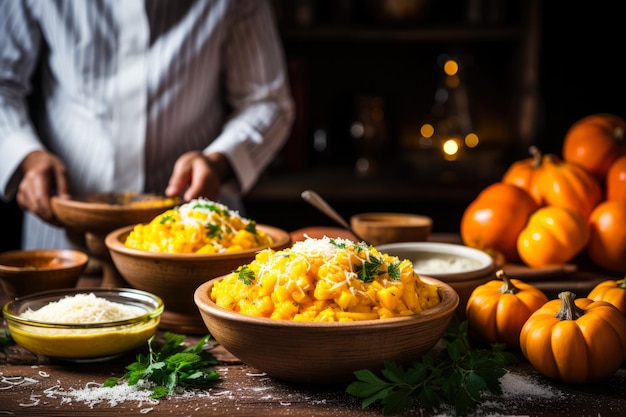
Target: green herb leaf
[457,376]
[175,365]
[245,274]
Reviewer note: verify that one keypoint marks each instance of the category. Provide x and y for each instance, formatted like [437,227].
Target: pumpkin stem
[507,285]
[569,310]
[537,156]
[622,284]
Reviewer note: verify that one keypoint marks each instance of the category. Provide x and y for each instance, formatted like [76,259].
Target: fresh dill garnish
[245,274]
[175,365]
[457,376]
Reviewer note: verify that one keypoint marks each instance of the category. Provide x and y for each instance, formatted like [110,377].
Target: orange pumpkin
[611,291]
[607,235]
[616,180]
[494,219]
[575,340]
[497,310]
[523,174]
[552,236]
[567,185]
[594,142]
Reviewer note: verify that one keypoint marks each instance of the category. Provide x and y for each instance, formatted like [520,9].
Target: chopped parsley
[245,274]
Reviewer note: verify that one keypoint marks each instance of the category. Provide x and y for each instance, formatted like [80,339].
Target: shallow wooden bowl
[379,228]
[175,277]
[23,272]
[100,213]
[462,267]
[325,352]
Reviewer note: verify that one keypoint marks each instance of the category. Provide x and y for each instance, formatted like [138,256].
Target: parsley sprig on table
[457,376]
[175,365]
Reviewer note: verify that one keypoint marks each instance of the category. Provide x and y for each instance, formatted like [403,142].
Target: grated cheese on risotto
[199,226]
[325,280]
[83,308]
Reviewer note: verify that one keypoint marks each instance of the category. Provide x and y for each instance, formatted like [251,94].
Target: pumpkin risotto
[325,280]
[199,226]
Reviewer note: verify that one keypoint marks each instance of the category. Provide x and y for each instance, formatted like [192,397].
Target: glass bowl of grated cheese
[83,324]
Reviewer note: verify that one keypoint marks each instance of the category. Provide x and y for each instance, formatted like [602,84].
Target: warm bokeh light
[451,67]
[427,130]
[471,140]
[450,147]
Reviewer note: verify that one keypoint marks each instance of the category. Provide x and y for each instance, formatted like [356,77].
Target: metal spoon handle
[318,202]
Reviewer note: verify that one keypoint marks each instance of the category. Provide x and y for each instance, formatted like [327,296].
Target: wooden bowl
[460,266]
[325,352]
[174,277]
[101,213]
[379,228]
[23,272]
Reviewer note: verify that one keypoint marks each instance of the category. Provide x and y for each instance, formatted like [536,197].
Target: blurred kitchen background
[416,105]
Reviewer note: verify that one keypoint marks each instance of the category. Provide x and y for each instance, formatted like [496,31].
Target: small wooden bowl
[174,277]
[325,352]
[379,228]
[23,272]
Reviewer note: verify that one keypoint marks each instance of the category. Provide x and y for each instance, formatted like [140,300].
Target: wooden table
[32,385]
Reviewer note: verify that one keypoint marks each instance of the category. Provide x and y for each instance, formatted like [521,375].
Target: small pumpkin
[497,310]
[575,340]
[494,219]
[564,184]
[552,236]
[607,235]
[616,180]
[524,173]
[611,291]
[594,142]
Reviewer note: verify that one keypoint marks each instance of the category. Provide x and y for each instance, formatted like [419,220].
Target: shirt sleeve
[257,88]
[20,42]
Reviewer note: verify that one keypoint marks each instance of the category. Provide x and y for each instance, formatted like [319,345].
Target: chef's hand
[198,175]
[43,175]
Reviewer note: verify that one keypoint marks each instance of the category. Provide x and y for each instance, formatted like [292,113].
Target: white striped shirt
[122,88]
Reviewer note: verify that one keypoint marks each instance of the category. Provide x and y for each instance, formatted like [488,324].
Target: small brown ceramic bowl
[175,276]
[460,266]
[325,352]
[379,228]
[23,272]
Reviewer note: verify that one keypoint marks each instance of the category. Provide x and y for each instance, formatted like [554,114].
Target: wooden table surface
[34,385]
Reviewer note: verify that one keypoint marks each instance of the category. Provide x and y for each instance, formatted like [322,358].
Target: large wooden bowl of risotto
[175,276]
[304,350]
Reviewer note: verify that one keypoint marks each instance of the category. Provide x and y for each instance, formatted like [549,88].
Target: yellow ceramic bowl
[325,352]
[83,341]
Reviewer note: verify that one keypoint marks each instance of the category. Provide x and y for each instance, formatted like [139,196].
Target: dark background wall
[582,45]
